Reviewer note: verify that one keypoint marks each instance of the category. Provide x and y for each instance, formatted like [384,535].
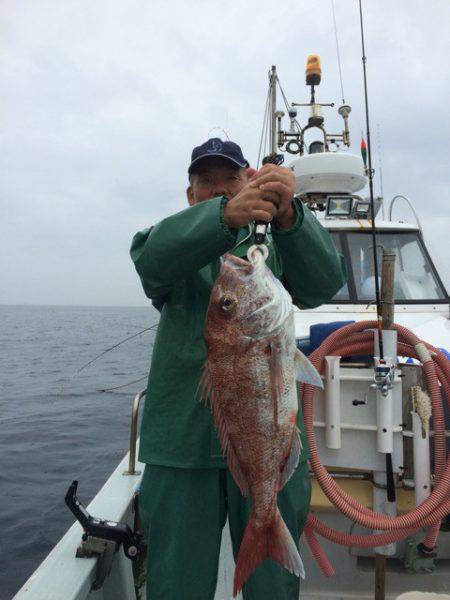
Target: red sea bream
[250,379]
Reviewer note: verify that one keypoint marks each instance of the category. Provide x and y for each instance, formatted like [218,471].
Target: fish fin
[282,548]
[276,379]
[227,448]
[292,460]
[306,372]
[258,542]
[236,471]
[204,389]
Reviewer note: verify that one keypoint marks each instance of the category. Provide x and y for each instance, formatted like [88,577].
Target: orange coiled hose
[354,340]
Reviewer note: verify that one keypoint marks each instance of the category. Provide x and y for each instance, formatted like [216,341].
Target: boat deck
[63,577]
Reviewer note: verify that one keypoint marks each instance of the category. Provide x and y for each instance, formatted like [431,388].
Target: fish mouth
[234,262]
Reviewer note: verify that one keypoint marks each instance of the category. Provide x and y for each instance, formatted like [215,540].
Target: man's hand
[277,184]
[250,204]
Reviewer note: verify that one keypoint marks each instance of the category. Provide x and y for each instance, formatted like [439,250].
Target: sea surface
[55,424]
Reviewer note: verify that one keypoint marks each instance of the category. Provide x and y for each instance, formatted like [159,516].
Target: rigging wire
[263,130]
[337,51]
[286,103]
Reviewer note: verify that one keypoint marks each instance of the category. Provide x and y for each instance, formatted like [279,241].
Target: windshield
[415,276]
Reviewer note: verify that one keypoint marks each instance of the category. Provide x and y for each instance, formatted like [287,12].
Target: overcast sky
[101,103]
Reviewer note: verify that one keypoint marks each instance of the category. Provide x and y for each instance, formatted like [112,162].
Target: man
[187,492]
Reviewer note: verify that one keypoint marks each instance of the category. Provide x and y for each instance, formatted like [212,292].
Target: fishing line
[113,347]
[118,387]
[78,371]
[250,232]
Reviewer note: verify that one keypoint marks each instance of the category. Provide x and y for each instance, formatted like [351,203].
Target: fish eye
[227,303]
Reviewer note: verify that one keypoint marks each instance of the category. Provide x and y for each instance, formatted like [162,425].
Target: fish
[249,379]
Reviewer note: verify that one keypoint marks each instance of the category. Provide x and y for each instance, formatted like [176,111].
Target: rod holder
[421,456]
[332,402]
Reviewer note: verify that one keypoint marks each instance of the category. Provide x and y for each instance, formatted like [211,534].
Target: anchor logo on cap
[215,145]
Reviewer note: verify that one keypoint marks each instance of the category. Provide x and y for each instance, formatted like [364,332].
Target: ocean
[55,424]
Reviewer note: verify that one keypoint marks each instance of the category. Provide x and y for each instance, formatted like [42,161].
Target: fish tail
[274,541]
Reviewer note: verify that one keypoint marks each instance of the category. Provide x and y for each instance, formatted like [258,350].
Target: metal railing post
[133,434]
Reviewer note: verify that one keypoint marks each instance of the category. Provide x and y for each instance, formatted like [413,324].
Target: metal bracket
[416,560]
[101,537]
[104,550]
[384,372]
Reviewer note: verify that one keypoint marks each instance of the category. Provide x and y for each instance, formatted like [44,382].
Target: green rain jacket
[178,261]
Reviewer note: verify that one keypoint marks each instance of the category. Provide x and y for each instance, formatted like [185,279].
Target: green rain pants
[183,513]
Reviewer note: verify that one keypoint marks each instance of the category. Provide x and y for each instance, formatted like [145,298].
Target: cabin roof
[366,224]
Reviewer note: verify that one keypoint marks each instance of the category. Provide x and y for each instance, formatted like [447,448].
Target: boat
[369,429]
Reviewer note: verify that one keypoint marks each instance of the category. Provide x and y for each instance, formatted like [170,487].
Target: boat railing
[391,206]
[133,434]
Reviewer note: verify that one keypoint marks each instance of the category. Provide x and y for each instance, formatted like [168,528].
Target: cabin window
[415,280]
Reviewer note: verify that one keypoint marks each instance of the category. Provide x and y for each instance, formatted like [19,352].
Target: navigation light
[313,70]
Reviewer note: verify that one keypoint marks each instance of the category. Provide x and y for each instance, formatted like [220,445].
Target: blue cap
[216,147]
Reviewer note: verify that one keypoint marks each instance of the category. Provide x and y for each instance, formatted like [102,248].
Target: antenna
[337,51]
[380,168]
[217,127]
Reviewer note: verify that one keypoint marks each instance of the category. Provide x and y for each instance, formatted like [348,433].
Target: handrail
[391,205]
[133,434]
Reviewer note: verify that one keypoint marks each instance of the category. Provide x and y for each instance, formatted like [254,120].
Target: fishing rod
[390,486]
[272,157]
[261,226]
[370,173]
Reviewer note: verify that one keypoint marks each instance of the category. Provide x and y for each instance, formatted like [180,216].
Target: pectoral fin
[204,389]
[305,371]
[292,459]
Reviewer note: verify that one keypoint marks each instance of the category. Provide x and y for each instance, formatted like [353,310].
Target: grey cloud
[104,101]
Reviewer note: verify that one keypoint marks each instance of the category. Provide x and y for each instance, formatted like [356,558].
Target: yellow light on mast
[313,70]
